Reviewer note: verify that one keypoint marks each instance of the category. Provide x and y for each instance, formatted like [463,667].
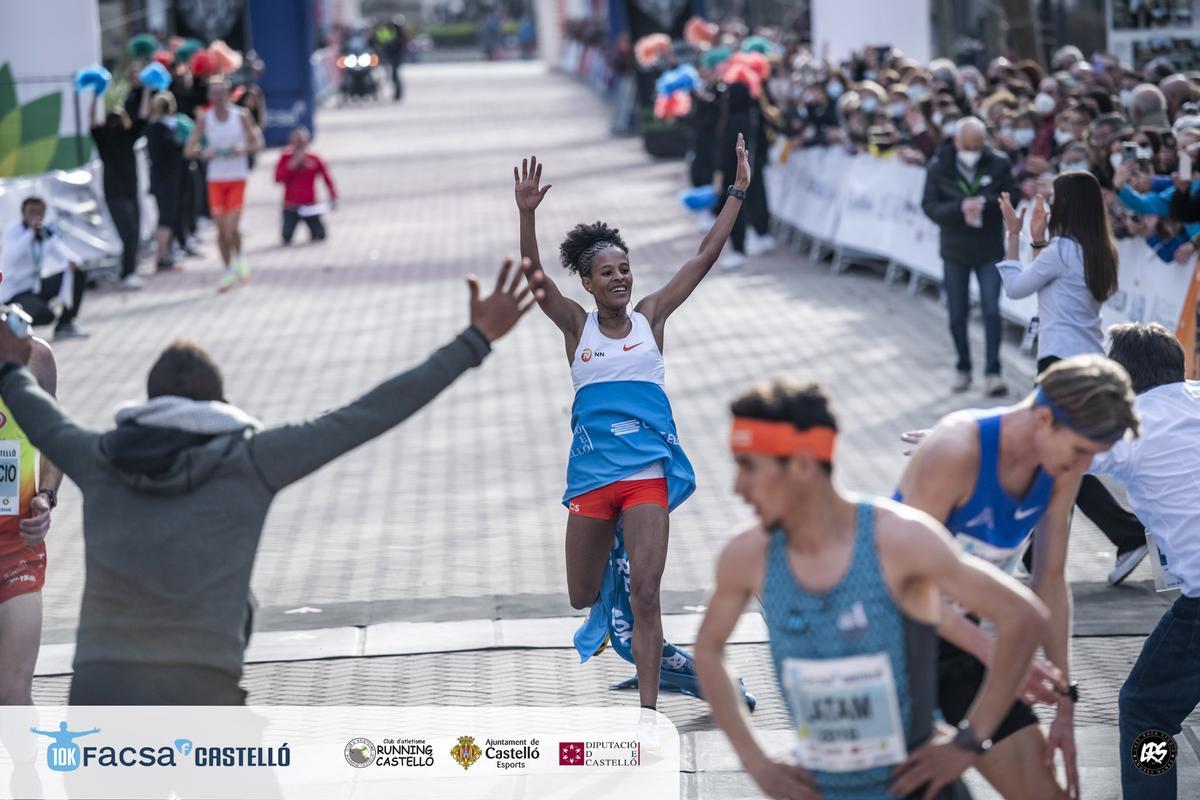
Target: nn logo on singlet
[3,419]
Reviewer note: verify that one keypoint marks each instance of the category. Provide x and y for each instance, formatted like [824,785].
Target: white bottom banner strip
[335,752]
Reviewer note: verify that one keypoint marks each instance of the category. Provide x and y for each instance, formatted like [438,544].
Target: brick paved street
[456,515]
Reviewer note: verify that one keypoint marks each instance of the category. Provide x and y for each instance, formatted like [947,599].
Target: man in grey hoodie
[176,495]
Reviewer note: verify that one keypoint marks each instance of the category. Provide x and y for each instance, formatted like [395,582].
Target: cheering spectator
[38,267]
[166,173]
[297,170]
[115,136]
[962,191]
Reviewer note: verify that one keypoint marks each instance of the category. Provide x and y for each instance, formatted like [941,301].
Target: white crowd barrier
[872,207]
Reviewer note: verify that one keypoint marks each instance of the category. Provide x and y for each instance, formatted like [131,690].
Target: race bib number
[847,712]
[10,478]
[1004,559]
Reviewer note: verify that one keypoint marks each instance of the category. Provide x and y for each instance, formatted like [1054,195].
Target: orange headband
[781,439]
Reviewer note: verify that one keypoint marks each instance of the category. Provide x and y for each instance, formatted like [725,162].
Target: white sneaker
[962,382]
[647,731]
[133,282]
[1126,563]
[732,260]
[758,245]
[704,222]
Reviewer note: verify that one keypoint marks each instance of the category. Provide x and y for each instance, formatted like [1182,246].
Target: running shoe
[647,731]
[133,282]
[229,279]
[241,268]
[1126,563]
[962,382]
[69,330]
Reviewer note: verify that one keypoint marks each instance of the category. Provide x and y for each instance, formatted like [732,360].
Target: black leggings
[1121,527]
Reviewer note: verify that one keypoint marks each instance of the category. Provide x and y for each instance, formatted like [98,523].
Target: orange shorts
[22,572]
[225,197]
[609,501]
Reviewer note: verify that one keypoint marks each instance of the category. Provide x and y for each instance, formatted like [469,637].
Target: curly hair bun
[582,238]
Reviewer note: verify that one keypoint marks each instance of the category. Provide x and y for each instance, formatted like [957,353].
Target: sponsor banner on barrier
[873,206]
[306,753]
[1149,289]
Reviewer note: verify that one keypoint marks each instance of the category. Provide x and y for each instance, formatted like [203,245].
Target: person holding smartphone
[1185,203]
[39,266]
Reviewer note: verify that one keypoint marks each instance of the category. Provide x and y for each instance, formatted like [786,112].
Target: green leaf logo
[29,139]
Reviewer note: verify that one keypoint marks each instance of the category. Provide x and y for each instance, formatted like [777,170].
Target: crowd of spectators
[1128,127]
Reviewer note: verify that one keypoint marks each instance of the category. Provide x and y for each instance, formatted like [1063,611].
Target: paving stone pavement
[461,505]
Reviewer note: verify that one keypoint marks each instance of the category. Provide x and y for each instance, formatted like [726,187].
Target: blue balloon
[701,198]
[155,76]
[95,77]
[680,79]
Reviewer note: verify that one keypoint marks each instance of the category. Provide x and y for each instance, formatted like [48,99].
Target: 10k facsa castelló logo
[64,755]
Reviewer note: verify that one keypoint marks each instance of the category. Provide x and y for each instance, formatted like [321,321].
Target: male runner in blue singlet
[849,588]
[992,477]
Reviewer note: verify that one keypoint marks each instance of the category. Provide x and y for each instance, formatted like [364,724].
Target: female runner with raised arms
[625,460]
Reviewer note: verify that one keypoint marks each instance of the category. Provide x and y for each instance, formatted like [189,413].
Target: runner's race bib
[847,712]
[10,478]
[1004,559]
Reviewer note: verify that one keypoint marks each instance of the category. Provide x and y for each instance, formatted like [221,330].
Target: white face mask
[1024,136]
[897,110]
[970,90]
[1063,137]
[1044,104]
[937,118]
[834,89]
[869,105]
[1126,97]
[918,92]
[950,128]
[969,158]
[1072,166]
[1115,159]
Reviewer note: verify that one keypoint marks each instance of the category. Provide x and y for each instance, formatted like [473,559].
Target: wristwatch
[51,497]
[738,193]
[1072,691]
[969,741]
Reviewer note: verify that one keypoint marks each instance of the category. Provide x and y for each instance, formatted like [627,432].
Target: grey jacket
[172,520]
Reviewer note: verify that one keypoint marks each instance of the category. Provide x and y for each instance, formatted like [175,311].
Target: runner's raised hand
[526,180]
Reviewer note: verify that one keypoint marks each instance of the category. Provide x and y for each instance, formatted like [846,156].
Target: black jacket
[945,189]
[1185,206]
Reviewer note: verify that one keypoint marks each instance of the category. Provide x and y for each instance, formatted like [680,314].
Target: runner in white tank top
[626,461]
[225,136]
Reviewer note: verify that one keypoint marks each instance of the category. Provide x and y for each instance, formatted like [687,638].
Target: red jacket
[300,185]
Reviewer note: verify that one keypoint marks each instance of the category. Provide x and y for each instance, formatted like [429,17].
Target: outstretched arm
[564,312]
[660,305]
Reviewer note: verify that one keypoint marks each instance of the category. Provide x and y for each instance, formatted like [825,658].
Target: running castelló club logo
[359,753]
[1154,752]
[466,752]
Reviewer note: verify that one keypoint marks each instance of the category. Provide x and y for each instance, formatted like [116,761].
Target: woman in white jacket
[1074,272]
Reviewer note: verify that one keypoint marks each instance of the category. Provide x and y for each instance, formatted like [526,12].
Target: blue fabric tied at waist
[621,428]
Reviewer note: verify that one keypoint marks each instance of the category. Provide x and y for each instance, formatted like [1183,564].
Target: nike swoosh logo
[1022,513]
[629,347]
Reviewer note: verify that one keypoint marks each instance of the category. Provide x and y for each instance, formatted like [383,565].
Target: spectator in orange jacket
[297,170]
